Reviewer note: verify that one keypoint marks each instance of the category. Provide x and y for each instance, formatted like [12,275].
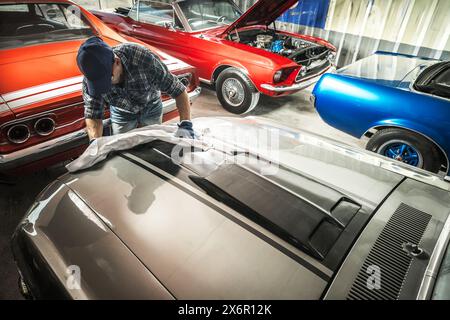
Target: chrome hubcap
[233,92]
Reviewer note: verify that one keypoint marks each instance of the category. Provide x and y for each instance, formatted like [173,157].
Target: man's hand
[94,128]
[185,130]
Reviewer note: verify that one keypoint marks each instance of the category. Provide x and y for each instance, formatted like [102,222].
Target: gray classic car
[305,218]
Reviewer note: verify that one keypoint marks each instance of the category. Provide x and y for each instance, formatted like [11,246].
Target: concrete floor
[294,111]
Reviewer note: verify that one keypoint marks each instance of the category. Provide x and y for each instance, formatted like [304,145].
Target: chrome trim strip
[205,81]
[38,149]
[420,133]
[69,124]
[432,271]
[298,86]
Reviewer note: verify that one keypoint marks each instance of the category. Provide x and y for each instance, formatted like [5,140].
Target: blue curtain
[311,13]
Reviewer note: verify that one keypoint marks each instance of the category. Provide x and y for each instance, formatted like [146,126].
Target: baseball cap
[95,59]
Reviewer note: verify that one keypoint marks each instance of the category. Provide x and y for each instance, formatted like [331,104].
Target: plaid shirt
[145,77]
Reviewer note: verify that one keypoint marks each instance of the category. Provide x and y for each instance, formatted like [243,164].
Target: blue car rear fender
[355,106]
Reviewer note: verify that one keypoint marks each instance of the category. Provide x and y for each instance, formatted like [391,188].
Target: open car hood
[264,12]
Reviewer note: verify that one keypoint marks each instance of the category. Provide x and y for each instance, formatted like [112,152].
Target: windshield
[387,69]
[205,14]
[36,23]
[435,80]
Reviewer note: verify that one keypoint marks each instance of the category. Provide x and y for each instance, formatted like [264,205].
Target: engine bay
[298,50]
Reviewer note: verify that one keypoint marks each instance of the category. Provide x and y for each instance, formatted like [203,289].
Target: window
[443,79]
[14,8]
[41,23]
[133,13]
[155,13]
[435,80]
[204,14]
[52,12]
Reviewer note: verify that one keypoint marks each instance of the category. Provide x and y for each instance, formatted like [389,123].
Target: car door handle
[136,26]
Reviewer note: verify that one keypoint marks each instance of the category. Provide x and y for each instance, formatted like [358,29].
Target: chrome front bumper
[66,142]
[298,86]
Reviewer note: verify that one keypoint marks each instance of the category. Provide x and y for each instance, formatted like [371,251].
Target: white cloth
[101,147]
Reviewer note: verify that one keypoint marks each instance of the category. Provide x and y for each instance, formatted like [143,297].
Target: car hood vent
[407,225]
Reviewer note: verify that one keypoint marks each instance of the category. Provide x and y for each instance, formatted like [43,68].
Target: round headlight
[277,76]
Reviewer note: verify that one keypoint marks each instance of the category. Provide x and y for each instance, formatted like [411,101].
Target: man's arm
[94,128]
[93,114]
[184,106]
[170,84]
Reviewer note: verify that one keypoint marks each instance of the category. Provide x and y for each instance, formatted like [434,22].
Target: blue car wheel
[408,147]
[402,151]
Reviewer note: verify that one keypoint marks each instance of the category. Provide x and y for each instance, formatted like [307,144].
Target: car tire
[401,145]
[236,92]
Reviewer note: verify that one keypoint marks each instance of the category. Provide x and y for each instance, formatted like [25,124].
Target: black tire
[250,94]
[431,159]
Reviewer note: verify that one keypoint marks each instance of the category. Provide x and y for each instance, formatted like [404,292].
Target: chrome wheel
[402,151]
[233,92]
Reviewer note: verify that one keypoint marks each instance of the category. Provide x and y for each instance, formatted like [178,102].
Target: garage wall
[360,27]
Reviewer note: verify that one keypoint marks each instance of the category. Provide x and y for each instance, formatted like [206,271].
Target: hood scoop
[297,220]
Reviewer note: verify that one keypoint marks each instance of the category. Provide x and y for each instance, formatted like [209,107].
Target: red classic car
[236,52]
[41,107]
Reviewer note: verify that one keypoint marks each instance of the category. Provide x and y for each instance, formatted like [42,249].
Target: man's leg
[122,121]
[151,116]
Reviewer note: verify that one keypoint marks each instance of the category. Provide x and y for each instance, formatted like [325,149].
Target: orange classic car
[41,105]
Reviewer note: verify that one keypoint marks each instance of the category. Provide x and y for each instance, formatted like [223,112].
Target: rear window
[36,23]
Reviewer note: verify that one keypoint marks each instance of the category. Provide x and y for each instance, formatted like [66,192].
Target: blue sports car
[401,103]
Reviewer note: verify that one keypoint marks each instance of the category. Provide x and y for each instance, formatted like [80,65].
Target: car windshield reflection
[37,23]
[205,14]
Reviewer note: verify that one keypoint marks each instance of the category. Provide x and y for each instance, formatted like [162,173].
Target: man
[128,78]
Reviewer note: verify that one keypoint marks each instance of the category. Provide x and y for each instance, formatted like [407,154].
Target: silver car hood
[197,252]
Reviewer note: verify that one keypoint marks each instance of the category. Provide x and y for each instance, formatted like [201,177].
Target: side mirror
[169,25]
